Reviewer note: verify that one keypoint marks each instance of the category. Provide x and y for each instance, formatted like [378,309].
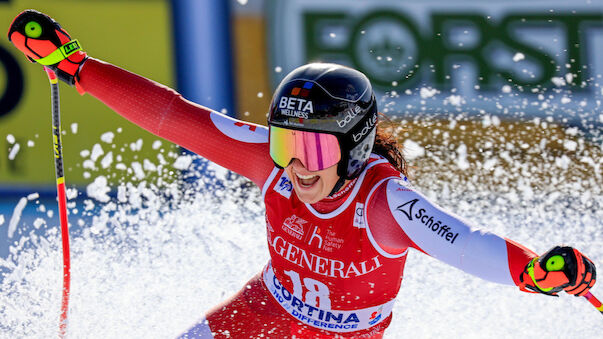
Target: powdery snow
[38,223]
[14,220]
[412,150]
[156,144]
[454,100]
[71,193]
[461,160]
[174,250]
[570,145]
[138,171]
[183,162]
[14,151]
[557,81]
[107,137]
[136,146]
[98,189]
[97,151]
[107,160]
[428,92]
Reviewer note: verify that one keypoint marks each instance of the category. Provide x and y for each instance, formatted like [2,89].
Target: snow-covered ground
[148,260]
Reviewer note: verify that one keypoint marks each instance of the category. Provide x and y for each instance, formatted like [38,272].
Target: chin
[306,194]
[308,198]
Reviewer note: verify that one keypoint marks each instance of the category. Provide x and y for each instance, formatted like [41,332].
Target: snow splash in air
[150,260]
[151,252]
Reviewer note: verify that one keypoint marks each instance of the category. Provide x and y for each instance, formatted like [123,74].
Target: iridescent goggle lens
[316,151]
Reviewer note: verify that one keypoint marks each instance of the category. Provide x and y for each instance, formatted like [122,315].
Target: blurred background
[506,59]
[497,103]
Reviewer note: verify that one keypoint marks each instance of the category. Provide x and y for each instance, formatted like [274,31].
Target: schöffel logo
[432,224]
[294,226]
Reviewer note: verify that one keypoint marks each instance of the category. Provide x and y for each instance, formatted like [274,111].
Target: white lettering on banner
[420,40]
[321,265]
[322,316]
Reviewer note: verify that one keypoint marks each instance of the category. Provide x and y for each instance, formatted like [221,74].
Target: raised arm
[237,145]
[399,217]
[234,144]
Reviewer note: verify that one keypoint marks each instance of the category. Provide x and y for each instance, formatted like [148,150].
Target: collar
[331,202]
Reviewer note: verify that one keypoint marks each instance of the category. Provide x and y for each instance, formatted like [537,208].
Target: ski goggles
[316,151]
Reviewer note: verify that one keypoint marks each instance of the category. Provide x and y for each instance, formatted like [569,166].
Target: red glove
[561,268]
[44,41]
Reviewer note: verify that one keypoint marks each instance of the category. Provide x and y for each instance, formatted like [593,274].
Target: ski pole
[61,197]
[594,301]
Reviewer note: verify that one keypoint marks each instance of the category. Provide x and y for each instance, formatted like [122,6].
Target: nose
[299,166]
[296,163]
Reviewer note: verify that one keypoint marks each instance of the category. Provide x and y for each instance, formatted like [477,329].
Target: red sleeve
[519,256]
[239,146]
[386,232]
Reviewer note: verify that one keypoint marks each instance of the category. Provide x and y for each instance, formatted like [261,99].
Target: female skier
[340,216]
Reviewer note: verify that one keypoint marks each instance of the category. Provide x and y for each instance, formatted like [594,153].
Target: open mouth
[306,181]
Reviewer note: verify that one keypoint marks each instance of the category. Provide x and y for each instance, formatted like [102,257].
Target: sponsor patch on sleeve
[284,186]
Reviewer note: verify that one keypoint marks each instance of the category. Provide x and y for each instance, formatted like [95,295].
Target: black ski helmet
[341,103]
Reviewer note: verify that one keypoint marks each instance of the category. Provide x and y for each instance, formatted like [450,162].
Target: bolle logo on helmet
[351,114]
[368,126]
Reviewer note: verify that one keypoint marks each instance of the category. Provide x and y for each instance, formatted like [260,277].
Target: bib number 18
[317,293]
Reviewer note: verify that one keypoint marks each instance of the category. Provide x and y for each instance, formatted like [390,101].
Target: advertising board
[514,58]
[135,35]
